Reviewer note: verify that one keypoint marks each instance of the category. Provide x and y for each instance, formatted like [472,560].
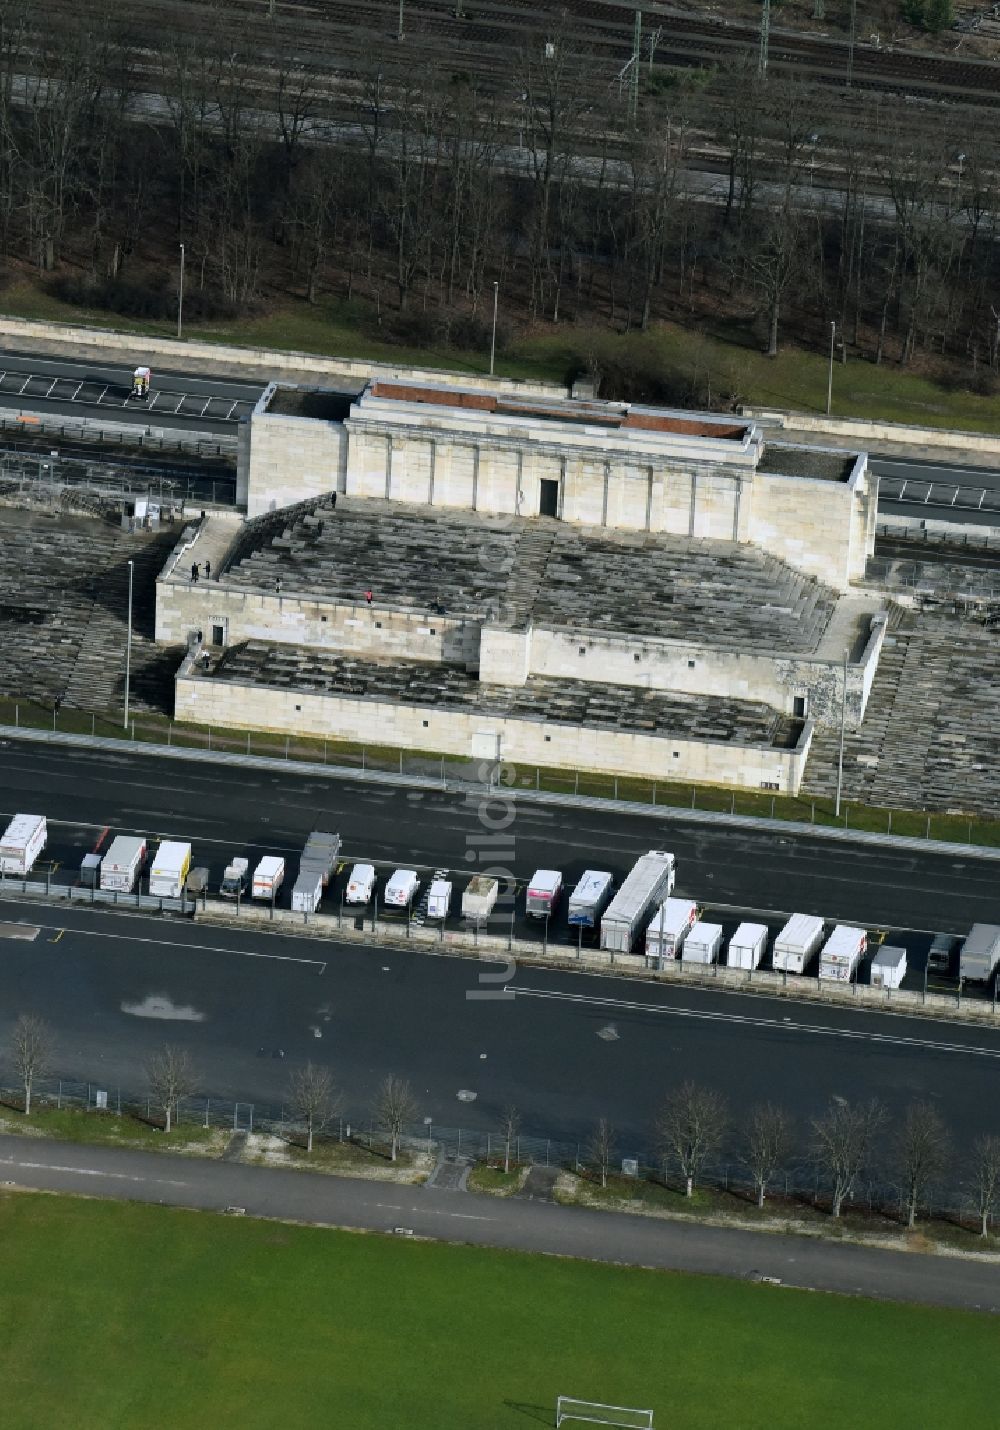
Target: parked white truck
[589,899]
[360,884]
[439,899]
[401,889]
[797,942]
[668,930]
[650,880]
[702,942]
[479,898]
[747,946]
[842,952]
[543,893]
[235,879]
[169,869]
[121,866]
[268,877]
[23,840]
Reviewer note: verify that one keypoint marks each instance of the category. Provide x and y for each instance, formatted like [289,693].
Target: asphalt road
[938,492]
[509,1223]
[68,388]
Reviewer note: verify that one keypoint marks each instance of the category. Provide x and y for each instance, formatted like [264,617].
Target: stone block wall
[453,731]
[825,528]
[292,459]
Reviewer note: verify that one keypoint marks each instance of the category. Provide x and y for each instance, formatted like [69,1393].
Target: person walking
[194,572]
[368,597]
[208,570]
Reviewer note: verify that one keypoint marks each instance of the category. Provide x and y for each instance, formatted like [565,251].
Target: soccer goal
[592,1412]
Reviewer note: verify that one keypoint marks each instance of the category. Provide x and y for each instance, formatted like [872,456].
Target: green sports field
[118,1315]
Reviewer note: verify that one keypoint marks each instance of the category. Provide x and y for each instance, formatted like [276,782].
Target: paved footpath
[517,1223]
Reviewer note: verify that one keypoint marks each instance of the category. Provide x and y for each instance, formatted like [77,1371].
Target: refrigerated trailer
[747,946]
[797,942]
[121,866]
[22,842]
[888,967]
[439,899]
[479,898]
[669,928]
[650,880]
[702,942]
[842,953]
[169,869]
[589,898]
[543,893]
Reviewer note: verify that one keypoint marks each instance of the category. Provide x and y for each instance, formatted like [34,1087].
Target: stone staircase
[526,579]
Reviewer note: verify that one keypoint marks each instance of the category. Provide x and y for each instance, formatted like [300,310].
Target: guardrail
[76,894]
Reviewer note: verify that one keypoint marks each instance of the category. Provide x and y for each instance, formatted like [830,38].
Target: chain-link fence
[800,1182]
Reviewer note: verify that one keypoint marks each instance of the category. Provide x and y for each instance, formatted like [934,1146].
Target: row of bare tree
[847,1142]
[429,185]
[313,1099]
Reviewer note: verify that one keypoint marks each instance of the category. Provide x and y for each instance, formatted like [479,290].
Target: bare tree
[986,1179]
[510,1126]
[394,1108]
[767,1142]
[30,1052]
[921,1151]
[690,1126]
[601,1147]
[313,1098]
[171,1077]
[841,1142]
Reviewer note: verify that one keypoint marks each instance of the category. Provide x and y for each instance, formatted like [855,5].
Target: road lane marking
[197,947]
[58,936]
[90,1172]
[748,1020]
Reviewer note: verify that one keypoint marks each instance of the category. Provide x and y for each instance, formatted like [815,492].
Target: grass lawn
[128,1316]
[72,1124]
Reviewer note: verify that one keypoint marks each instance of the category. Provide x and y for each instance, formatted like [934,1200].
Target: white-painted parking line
[784,1024]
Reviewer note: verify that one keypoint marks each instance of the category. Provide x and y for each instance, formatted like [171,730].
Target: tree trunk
[911,1219]
[309,1136]
[506,1163]
[392,1156]
[27,1097]
[760,1195]
[689,1185]
[772,341]
[169,1112]
[984,1231]
[838,1198]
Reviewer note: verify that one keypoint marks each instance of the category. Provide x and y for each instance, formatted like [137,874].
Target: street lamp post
[180,296]
[829,381]
[128,644]
[493,340]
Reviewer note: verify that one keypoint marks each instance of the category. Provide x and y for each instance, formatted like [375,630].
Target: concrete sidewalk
[450,1215]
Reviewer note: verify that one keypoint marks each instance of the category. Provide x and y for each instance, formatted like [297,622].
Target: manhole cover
[609,1033]
[465,1095]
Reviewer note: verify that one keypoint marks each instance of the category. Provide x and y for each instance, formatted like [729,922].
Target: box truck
[169,869]
[888,967]
[439,899]
[668,930]
[307,891]
[360,884]
[589,899]
[268,877]
[479,898]
[650,880]
[400,889]
[980,953]
[22,842]
[747,946]
[797,942]
[842,952]
[235,878]
[702,943]
[121,866]
[543,893]
[323,851]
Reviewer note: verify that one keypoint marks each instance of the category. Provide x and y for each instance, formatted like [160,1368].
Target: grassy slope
[795,379]
[124,1316]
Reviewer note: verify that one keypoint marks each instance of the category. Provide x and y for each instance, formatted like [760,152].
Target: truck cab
[234,880]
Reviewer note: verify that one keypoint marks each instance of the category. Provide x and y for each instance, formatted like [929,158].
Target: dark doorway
[218,635]
[549,501]
[800,706]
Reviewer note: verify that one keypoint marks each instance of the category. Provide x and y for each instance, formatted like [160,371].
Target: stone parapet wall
[450,730]
[292,459]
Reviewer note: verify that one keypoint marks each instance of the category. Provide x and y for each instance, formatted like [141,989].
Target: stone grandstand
[63,609]
[724,594]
